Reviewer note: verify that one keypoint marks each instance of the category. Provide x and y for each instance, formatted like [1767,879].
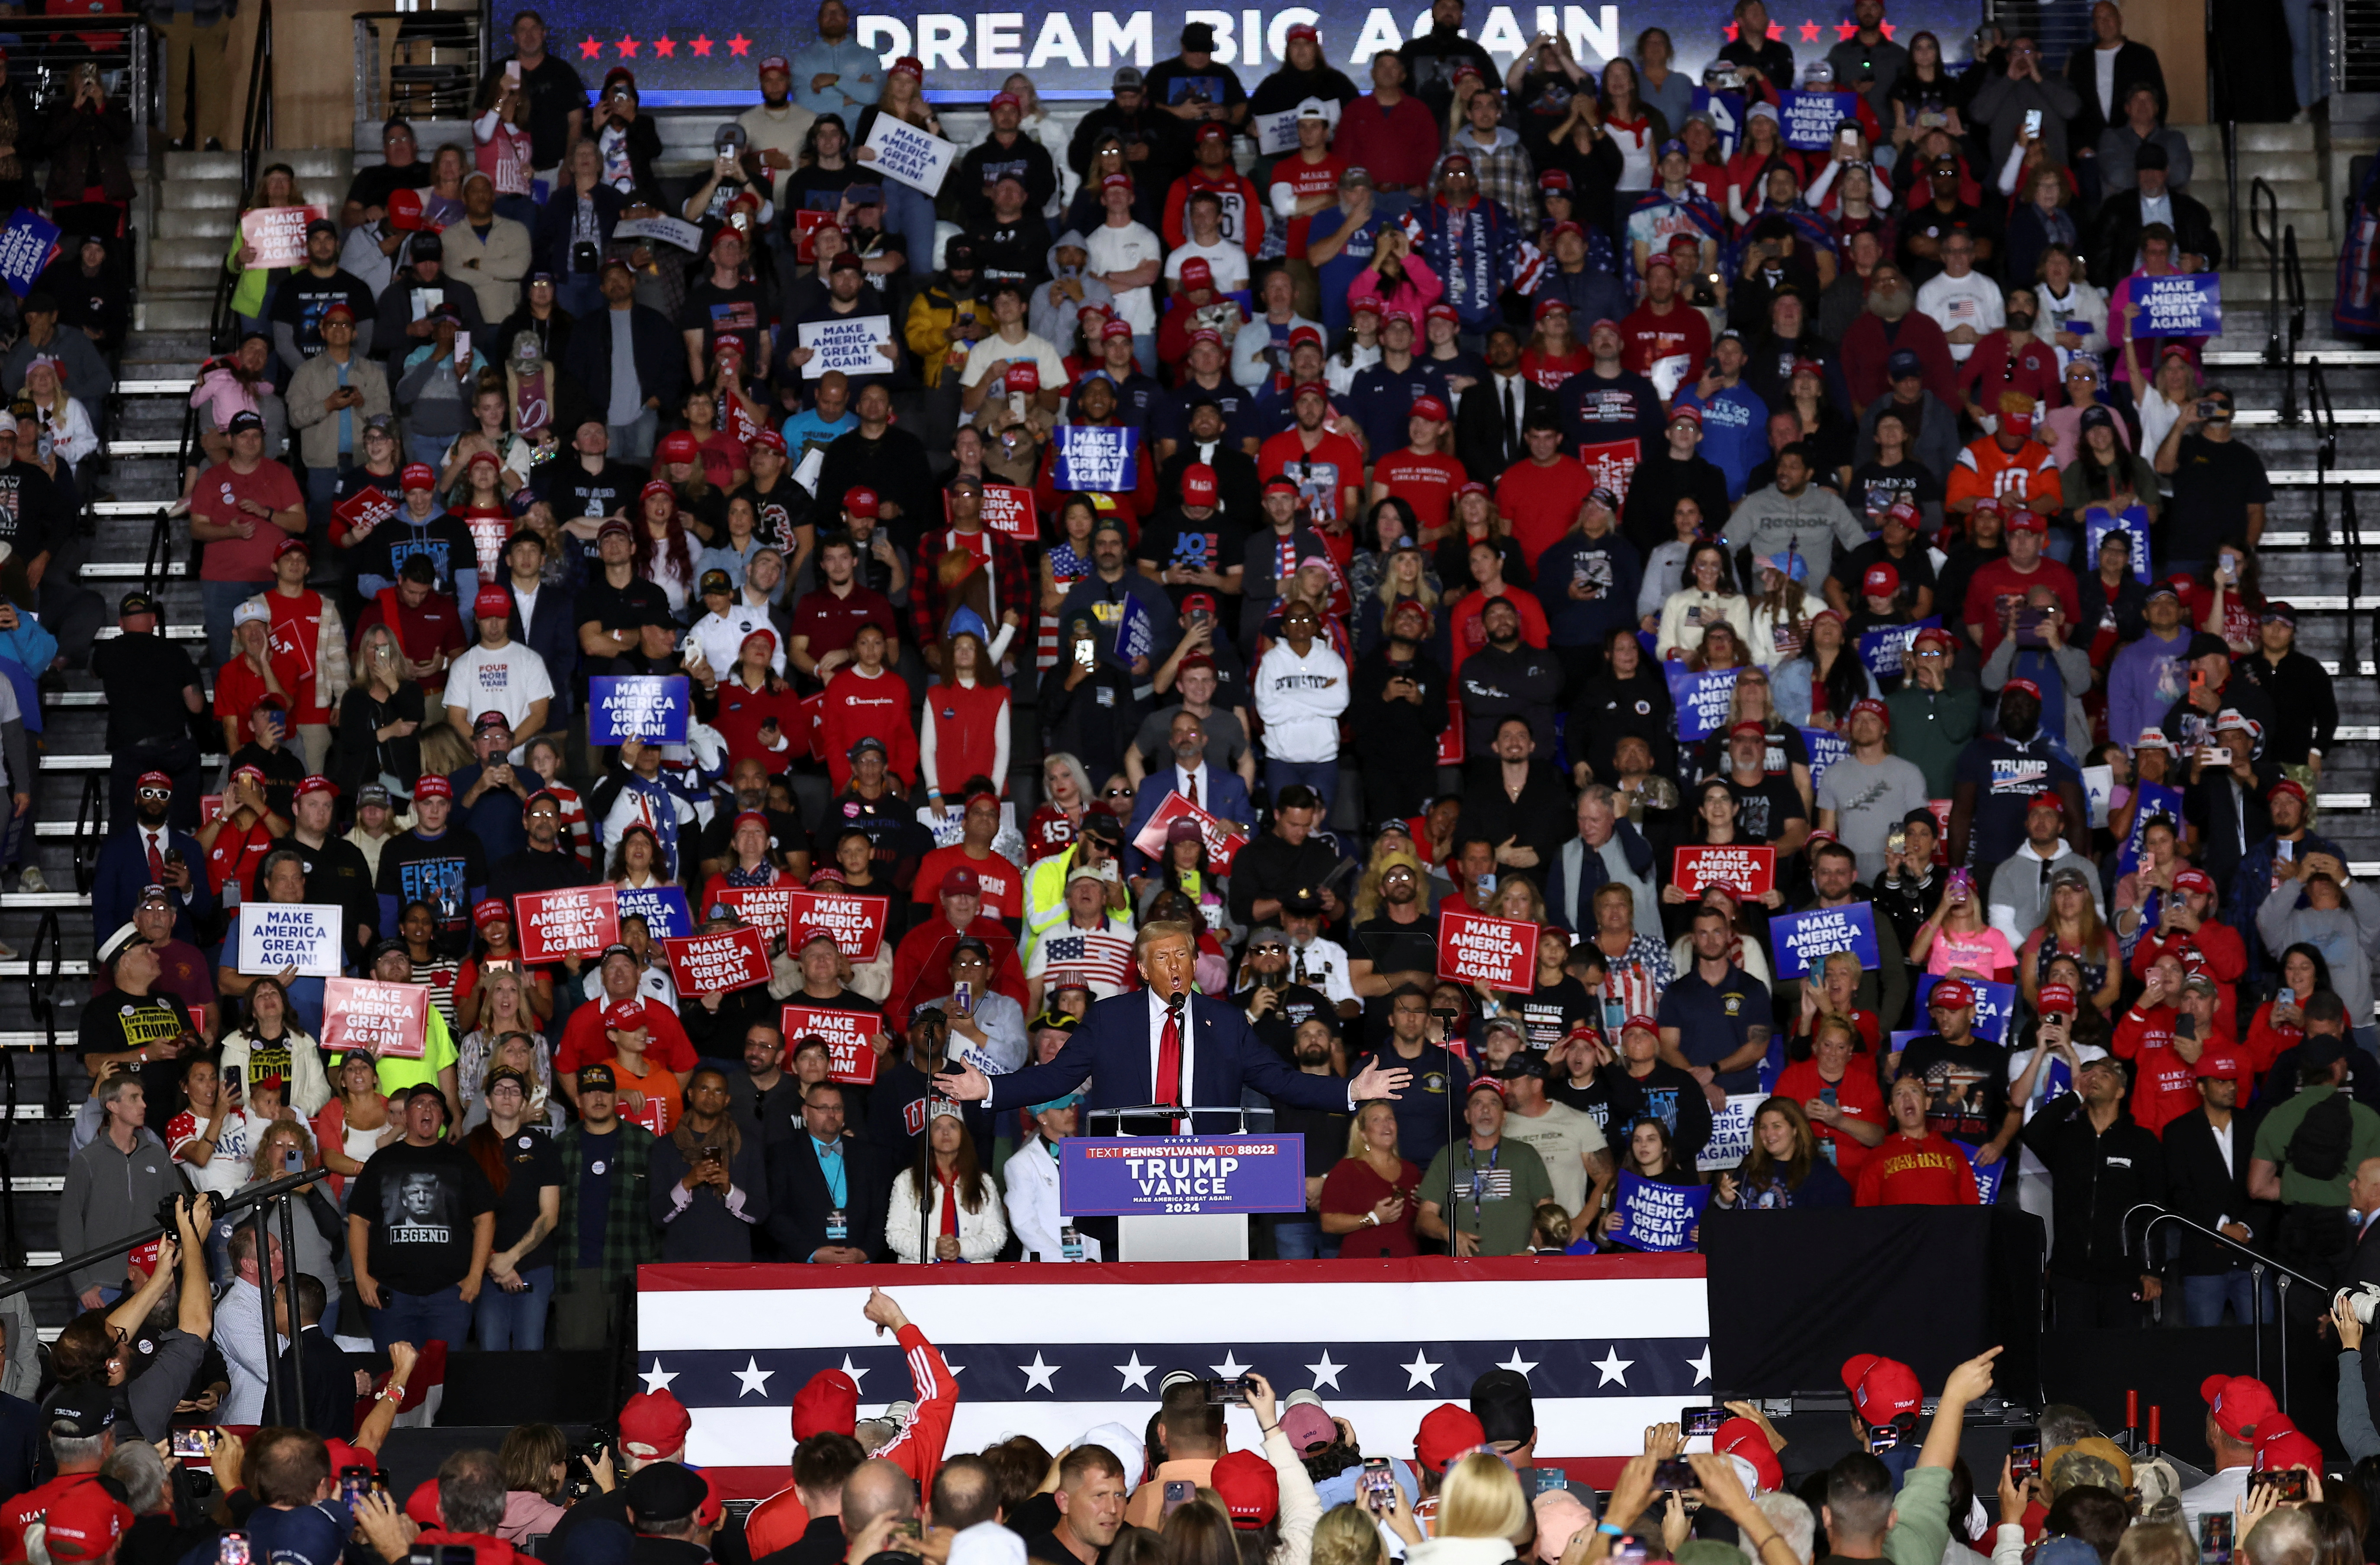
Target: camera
[1232,1392]
[2362,1300]
[1697,1422]
[583,256]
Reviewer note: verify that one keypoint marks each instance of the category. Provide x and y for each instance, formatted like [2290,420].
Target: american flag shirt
[1101,958]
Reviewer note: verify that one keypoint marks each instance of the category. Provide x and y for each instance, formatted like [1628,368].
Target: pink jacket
[220,392]
[1420,289]
[527,1514]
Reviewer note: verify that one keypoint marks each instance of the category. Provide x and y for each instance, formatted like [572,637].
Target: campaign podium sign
[1182,1175]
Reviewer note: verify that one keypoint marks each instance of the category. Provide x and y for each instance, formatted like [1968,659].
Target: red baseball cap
[2222,1060]
[490,910]
[418,475]
[421,1505]
[1199,484]
[1430,408]
[1883,1389]
[2287,786]
[1881,581]
[1870,704]
[491,604]
[828,1403]
[1447,1432]
[2028,521]
[1686,413]
[1248,1487]
[653,1424]
[2194,879]
[679,445]
[433,786]
[961,882]
[1742,1437]
[859,500]
[1747,727]
[85,1522]
[2281,1445]
[1195,273]
[1951,994]
[1442,311]
[2058,999]
[2024,686]
[2240,1405]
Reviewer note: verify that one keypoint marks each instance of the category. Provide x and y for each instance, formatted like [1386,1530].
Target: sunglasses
[154,793]
[1117,794]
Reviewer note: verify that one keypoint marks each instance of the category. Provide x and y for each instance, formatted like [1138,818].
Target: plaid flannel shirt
[629,1237]
[1505,173]
[1013,584]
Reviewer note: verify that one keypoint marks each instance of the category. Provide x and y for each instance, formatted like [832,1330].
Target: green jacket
[2273,1147]
[630,1239]
[1921,1526]
[1930,730]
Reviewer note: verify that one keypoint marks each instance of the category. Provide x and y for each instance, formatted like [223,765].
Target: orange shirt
[2026,477]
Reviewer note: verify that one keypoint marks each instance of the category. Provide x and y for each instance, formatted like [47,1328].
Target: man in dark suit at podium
[827,1192]
[1167,1045]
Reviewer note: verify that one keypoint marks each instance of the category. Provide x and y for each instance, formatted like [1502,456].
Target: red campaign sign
[577,922]
[1009,509]
[365,509]
[1611,464]
[1473,947]
[813,715]
[806,227]
[1225,838]
[1752,871]
[1941,808]
[855,922]
[385,1021]
[713,963]
[851,1057]
[1449,738]
[762,906]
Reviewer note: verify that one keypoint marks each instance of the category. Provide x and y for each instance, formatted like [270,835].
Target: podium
[1179,1198]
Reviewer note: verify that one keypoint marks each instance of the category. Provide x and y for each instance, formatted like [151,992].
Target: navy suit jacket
[1227,799]
[1112,1050]
[124,869]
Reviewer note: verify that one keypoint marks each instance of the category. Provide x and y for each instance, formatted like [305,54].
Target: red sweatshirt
[1927,1171]
[779,1521]
[2214,949]
[858,707]
[2165,1085]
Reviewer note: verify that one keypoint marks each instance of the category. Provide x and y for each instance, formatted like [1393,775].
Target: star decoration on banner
[956,1369]
[1517,1365]
[1614,1367]
[1845,30]
[1421,1372]
[754,1378]
[628,47]
[1701,1367]
[591,48]
[853,1370]
[702,46]
[1776,30]
[1135,1373]
[657,1379]
[665,48]
[739,46]
[1038,1374]
[1809,32]
[1231,1368]
[1326,1373]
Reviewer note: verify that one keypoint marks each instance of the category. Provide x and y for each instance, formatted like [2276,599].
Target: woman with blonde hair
[906,211]
[1349,1535]
[1368,1196]
[1481,1511]
[1518,898]
[1065,794]
[63,419]
[1780,609]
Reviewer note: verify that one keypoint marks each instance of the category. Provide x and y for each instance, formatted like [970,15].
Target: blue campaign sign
[1826,747]
[1726,111]
[2154,799]
[1097,457]
[1161,1176]
[1987,1177]
[653,707]
[663,909]
[1654,1216]
[2188,304]
[1135,634]
[1702,698]
[26,245]
[1810,120]
[1802,939]
[1995,1005]
[1882,650]
[2098,523]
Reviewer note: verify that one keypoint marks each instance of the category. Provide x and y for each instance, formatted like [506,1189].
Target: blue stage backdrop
[687,54]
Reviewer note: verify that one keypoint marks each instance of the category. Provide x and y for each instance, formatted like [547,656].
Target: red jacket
[855,708]
[778,1522]
[2165,1085]
[1246,225]
[920,967]
[2214,949]
[741,714]
[1866,350]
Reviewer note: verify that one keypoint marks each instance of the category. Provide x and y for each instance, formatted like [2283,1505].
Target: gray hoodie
[1812,524]
[112,1194]
[1055,318]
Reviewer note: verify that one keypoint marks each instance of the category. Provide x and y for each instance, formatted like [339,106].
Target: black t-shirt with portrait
[1294,1005]
[531,1162]
[1610,1100]
[421,1202]
[1966,1085]
[1549,1011]
[1764,809]
[33,517]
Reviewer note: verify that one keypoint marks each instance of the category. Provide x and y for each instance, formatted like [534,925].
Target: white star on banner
[754,1378]
[1613,1366]
[1701,1366]
[657,1378]
[1421,1372]
[1038,1374]
[853,1370]
[1517,1364]
[1326,1373]
[1230,1367]
[1135,1373]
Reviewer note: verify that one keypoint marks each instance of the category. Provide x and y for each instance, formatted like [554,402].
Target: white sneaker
[32,881]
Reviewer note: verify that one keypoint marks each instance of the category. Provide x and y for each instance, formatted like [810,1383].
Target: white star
[1230,1367]
[853,1370]
[1613,1366]
[956,1369]
[1517,1364]
[754,1378]
[1326,1373]
[657,1378]
[1701,1366]
[1135,1373]
[1421,1372]
[1038,1374]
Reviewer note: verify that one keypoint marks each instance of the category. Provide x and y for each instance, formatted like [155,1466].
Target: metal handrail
[2264,224]
[90,827]
[256,125]
[40,999]
[2230,179]
[2258,1264]
[442,91]
[2350,543]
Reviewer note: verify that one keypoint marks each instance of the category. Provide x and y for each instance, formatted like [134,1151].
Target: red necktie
[156,861]
[1168,1060]
[1194,787]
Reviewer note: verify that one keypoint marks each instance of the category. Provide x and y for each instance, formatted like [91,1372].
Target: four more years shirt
[421,1204]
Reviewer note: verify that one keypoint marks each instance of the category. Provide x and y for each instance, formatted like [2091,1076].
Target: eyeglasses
[154,793]
[1118,793]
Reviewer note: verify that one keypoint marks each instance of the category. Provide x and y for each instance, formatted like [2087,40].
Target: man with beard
[1277,1005]
[137,856]
[309,290]
[590,484]
[1768,807]
[1890,328]
[774,129]
[1323,466]
[1432,60]
[1203,782]
[1275,864]
[1396,708]
[1507,679]
[1999,777]
[543,864]
[1297,1236]
[1394,948]
[1609,408]
[1796,516]
[1103,593]
[887,461]
[1421,1110]
[845,276]
[1518,801]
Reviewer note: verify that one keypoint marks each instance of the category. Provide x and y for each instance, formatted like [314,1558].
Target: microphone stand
[1446,1020]
[931,1028]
